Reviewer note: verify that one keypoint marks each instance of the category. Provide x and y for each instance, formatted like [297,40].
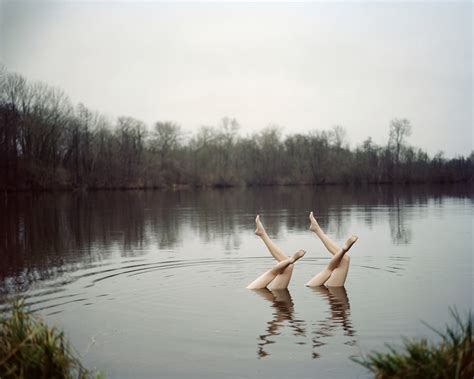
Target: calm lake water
[152,284]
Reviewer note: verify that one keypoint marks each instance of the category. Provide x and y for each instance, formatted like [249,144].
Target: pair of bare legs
[334,274]
[280,274]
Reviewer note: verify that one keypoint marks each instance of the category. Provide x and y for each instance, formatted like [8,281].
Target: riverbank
[188,187]
[29,348]
[451,358]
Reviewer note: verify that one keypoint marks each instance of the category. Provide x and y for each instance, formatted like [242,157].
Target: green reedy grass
[451,358]
[31,349]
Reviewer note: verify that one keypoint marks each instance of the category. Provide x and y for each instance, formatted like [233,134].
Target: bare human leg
[274,250]
[266,278]
[339,274]
[335,261]
[283,279]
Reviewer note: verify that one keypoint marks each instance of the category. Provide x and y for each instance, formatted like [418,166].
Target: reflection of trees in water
[213,215]
[283,305]
[400,201]
[42,235]
[339,316]
[398,219]
[160,216]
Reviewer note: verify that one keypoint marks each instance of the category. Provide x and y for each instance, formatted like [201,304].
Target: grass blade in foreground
[452,358]
[31,349]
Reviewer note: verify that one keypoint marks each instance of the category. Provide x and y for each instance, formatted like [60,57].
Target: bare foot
[350,241]
[260,231]
[299,254]
[314,227]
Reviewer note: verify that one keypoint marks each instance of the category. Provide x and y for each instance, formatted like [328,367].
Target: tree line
[46,142]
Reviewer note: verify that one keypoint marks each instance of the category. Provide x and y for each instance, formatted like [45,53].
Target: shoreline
[191,187]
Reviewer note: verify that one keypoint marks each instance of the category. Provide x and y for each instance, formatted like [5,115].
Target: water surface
[152,283]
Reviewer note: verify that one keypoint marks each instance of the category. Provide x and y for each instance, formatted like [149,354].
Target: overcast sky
[302,66]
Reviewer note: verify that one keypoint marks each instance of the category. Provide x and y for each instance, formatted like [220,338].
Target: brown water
[152,284]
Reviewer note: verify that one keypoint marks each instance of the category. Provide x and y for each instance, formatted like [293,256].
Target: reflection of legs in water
[284,309]
[266,278]
[283,279]
[338,275]
[340,315]
[324,275]
[340,308]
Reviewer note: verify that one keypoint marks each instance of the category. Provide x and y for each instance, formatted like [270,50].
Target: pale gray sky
[299,65]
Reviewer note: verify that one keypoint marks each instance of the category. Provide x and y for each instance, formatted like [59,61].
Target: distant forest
[48,143]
